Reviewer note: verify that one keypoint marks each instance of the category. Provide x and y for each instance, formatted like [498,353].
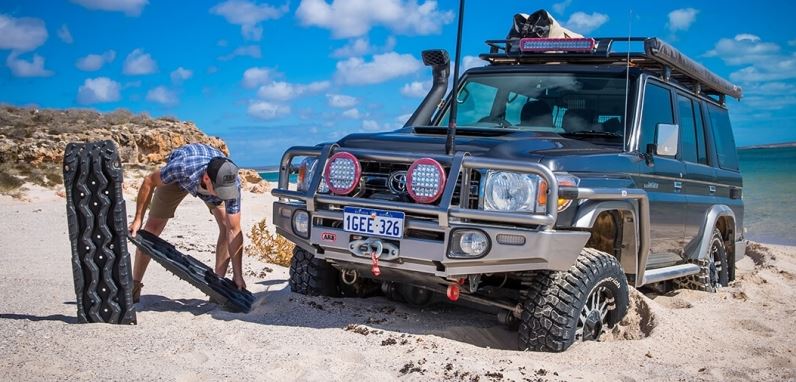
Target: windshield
[581,106]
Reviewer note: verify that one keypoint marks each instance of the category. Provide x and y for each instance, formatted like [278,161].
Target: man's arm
[144,197]
[235,238]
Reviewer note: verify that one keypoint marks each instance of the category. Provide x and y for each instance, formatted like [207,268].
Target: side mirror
[667,137]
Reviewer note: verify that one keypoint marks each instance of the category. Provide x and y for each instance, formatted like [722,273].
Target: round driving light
[342,173]
[473,243]
[425,180]
[301,223]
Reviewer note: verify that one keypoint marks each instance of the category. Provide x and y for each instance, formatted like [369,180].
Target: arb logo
[328,236]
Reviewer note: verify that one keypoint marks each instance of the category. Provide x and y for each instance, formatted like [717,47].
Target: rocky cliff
[32,141]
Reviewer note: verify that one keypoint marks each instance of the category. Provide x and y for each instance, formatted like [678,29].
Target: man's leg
[155,226]
[222,245]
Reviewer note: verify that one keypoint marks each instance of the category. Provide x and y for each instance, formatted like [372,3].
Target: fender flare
[706,231]
[587,214]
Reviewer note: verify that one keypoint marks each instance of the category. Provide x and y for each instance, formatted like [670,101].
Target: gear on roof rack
[538,24]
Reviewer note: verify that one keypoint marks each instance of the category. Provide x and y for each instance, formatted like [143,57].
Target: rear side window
[723,138]
[657,109]
[688,141]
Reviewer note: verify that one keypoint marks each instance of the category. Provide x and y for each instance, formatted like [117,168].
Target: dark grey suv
[577,169]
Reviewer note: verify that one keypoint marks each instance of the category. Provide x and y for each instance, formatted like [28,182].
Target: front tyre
[311,276]
[579,304]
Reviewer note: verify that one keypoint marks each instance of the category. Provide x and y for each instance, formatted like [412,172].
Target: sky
[267,75]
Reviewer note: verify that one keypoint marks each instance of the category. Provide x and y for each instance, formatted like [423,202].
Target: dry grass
[269,247]
[13,176]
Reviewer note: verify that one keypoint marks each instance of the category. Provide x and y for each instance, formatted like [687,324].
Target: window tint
[723,140]
[688,144]
[702,152]
[657,109]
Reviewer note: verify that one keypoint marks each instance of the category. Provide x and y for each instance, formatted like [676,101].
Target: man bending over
[203,172]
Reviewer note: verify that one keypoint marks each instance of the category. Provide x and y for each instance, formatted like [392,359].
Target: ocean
[769,194]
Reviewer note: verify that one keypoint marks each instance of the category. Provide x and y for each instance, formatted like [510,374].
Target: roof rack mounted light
[657,56]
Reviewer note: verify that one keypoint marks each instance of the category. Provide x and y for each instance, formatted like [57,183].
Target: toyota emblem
[397,182]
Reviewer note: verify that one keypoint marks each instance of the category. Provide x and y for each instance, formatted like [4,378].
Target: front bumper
[542,249]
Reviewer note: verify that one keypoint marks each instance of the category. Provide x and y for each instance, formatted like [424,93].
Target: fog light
[468,244]
[301,223]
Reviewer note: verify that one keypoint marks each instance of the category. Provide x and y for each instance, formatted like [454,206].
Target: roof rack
[658,57]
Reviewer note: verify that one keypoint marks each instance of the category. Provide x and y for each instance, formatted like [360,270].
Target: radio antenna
[450,144]
[627,67]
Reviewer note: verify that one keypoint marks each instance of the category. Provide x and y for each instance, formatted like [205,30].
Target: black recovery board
[220,289]
[97,220]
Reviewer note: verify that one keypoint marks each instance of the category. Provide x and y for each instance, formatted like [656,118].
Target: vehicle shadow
[459,322]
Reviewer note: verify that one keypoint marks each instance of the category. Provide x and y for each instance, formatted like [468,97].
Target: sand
[743,332]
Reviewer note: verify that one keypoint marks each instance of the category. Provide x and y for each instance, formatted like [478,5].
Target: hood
[487,143]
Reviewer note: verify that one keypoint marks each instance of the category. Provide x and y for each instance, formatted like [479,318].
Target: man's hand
[134,227]
[239,282]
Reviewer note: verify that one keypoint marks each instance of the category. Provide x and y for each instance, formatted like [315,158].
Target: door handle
[678,185]
[712,189]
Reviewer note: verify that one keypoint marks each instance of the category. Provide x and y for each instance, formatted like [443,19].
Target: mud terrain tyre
[577,304]
[714,269]
[97,221]
[311,276]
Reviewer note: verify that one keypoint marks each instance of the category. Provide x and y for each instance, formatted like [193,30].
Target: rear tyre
[714,269]
[311,276]
[574,305]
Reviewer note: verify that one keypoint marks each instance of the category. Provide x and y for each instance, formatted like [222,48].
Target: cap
[223,174]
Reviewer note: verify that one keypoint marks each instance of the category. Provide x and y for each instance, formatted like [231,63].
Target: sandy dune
[744,332]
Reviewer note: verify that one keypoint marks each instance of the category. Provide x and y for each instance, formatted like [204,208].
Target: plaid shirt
[185,167]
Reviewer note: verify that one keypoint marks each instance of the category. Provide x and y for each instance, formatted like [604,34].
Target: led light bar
[557,44]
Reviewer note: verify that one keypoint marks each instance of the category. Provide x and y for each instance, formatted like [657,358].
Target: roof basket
[657,56]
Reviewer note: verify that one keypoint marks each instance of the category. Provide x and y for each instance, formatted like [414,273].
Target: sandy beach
[743,332]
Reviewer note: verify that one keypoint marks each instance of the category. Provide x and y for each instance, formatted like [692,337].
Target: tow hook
[349,276]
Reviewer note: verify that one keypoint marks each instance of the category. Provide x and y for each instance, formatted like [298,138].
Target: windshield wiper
[592,134]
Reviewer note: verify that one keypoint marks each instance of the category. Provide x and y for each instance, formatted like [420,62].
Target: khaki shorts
[166,199]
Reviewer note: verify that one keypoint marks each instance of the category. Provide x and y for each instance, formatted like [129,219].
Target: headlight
[510,192]
[305,172]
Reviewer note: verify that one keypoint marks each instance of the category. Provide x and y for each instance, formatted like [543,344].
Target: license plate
[373,222]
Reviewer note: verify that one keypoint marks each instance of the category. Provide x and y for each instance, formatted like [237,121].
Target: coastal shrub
[9,183]
[269,247]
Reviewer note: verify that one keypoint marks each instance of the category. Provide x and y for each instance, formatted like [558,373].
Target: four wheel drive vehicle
[578,169]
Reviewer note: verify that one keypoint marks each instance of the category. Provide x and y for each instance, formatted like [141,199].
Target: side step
[667,273]
[195,272]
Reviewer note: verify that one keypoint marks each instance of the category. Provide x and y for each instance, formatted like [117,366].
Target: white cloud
[285,91]
[401,119]
[584,23]
[21,34]
[248,15]
[162,95]
[384,67]
[416,89]
[180,74]
[371,125]
[139,62]
[23,68]
[784,68]
[246,50]
[267,110]
[98,90]
[353,18]
[469,62]
[681,19]
[341,100]
[352,113]
[129,7]
[361,46]
[254,77]
[65,35]
[743,49]
[562,6]
[94,62]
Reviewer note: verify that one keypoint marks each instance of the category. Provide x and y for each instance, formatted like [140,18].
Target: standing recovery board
[97,230]
[220,289]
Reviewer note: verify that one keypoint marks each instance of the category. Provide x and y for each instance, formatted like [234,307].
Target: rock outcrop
[33,140]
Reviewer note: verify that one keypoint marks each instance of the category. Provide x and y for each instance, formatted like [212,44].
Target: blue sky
[266,75]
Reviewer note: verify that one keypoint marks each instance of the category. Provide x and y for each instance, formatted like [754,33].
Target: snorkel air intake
[440,64]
